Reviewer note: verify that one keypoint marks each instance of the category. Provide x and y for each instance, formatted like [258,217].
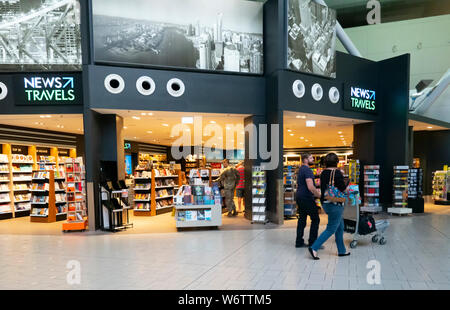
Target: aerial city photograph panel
[311,38]
[199,34]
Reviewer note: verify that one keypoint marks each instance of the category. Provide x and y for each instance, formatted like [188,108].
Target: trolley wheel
[382,241]
[375,239]
[353,244]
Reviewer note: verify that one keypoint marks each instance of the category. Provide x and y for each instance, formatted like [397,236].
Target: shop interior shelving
[77,216]
[43,201]
[259,195]
[400,191]
[154,191]
[17,163]
[441,187]
[198,206]
[415,190]
[290,206]
[371,189]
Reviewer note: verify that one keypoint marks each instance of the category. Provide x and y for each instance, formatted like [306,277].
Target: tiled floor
[415,257]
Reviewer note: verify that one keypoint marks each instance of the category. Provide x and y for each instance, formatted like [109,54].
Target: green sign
[360,99]
[48,89]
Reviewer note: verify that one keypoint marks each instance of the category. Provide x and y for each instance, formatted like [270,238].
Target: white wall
[431,61]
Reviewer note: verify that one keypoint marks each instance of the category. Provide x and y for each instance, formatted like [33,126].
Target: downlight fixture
[114,83]
[175,87]
[317,92]
[145,85]
[3,91]
[298,88]
[333,94]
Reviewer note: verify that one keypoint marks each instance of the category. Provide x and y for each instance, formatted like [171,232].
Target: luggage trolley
[352,215]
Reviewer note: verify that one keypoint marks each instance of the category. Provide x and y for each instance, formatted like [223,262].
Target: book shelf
[75,195]
[371,189]
[400,191]
[259,195]
[154,191]
[6,195]
[203,176]
[441,187]
[354,169]
[43,202]
[290,206]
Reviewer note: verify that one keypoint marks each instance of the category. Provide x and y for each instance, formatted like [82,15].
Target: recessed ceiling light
[135,137]
[149,131]
[143,113]
[340,132]
[289,130]
[310,145]
[291,134]
[187,120]
[125,127]
[341,136]
[302,138]
[429,127]
[150,114]
[298,116]
[165,125]
[306,140]
[311,123]
[212,122]
[136,117]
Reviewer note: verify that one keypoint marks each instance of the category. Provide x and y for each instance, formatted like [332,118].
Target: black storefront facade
[382,140]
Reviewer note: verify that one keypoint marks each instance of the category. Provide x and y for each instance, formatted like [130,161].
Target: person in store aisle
[240,188]
[334,210]
[229,177]
[306,191]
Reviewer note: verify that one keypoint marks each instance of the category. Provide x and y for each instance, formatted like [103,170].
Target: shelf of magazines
[259,195]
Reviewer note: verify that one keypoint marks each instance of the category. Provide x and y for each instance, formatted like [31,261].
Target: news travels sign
[48,89]
[360,98]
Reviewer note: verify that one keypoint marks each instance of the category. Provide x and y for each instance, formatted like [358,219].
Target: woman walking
[334,210]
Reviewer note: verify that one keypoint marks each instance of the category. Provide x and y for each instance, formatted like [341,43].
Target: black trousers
[307,208]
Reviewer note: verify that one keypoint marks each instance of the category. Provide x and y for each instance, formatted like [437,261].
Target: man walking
[240,188]
[229,178]
[306,191]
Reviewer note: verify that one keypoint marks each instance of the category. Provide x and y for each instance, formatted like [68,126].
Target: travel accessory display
[198,206]
[441,187]
[400,191]
[371,189]
[259,195]
[290,206]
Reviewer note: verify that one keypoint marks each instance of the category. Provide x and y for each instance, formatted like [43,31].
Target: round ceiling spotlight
[145,85]
[317,92]
[333,94]
[3,91]
[298,88]
[175,87]
[114,83]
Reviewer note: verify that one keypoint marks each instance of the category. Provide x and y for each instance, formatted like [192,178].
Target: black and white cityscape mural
[311,38]
[200,34]
[40,35]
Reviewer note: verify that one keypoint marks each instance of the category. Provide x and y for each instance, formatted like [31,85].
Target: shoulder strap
[332,177]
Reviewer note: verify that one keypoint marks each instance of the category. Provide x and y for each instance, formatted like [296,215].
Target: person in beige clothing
[229,177]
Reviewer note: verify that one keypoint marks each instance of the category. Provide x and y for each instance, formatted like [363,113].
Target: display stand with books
[415,190]
[76,195]
[441,187]
[290,206]
[154,191]
[43,200]
[6,194]
[203,174]
[371,189]
[259,195]
[198,206]
[400,191]
[21,172]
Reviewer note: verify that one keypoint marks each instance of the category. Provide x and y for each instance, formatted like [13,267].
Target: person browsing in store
[240,188]
[333,187]
[306,191]
[229,177]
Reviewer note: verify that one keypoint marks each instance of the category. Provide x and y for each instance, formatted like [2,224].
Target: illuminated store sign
[360,99]
[45,89]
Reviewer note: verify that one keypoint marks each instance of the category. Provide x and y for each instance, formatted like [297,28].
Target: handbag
[332,193]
